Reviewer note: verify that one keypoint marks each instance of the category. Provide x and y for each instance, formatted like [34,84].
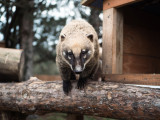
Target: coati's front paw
[67,86]
[81,83]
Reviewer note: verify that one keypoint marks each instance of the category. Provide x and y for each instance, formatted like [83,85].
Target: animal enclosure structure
[131,40]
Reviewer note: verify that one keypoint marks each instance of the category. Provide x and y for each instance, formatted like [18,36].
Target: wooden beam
[112,55]
[104,99]
[86,2]
[142,79]
[116,3]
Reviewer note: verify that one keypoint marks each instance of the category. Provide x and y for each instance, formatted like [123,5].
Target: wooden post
[112,55]
[11,64]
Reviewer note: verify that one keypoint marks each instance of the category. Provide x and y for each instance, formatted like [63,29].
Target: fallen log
[11,65]
[103,99]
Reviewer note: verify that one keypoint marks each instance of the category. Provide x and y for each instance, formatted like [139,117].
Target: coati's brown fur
[78,53]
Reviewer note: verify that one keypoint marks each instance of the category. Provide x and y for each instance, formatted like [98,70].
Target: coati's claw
[67,86]
[81,83]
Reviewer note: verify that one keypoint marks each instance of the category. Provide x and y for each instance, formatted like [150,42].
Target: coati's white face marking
[84,50]
[69,51]
[89,52]
[69,57]
[64,53]
[77,58]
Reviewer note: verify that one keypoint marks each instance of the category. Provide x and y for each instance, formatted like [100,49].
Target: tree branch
[9,26]
[105,99]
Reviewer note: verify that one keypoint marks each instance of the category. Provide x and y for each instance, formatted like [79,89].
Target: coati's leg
[81,82]
[66,75]
[73,77]
[67,86]
[94,74]
[84,76]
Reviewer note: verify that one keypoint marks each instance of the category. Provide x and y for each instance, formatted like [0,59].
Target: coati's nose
[78,69]
[78,72]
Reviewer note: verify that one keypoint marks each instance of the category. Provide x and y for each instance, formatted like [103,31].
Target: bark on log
[11,65]
[104,99]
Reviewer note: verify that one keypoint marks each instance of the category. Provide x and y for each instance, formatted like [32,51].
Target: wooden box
[131,41]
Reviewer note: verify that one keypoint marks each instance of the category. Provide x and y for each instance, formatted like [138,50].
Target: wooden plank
[143,32]
[141,42]
[112,55]
[142,79]
[140,64]
[118,43]
[107,4]
[107,41]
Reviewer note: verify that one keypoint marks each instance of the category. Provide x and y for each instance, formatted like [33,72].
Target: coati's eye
[84,51]
[70,52]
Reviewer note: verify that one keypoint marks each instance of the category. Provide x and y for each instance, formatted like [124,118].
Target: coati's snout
[77,66]
[77,59]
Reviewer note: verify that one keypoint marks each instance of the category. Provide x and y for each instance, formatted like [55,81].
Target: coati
[78,53]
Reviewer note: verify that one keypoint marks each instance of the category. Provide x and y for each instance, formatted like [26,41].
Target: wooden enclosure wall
[141,43]
[112,54]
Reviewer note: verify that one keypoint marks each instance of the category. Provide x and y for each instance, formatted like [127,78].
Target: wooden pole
[112,54]
[11,64]
[105,99]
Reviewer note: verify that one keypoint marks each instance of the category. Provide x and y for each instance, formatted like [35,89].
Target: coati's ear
[90,36]
[63,37]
